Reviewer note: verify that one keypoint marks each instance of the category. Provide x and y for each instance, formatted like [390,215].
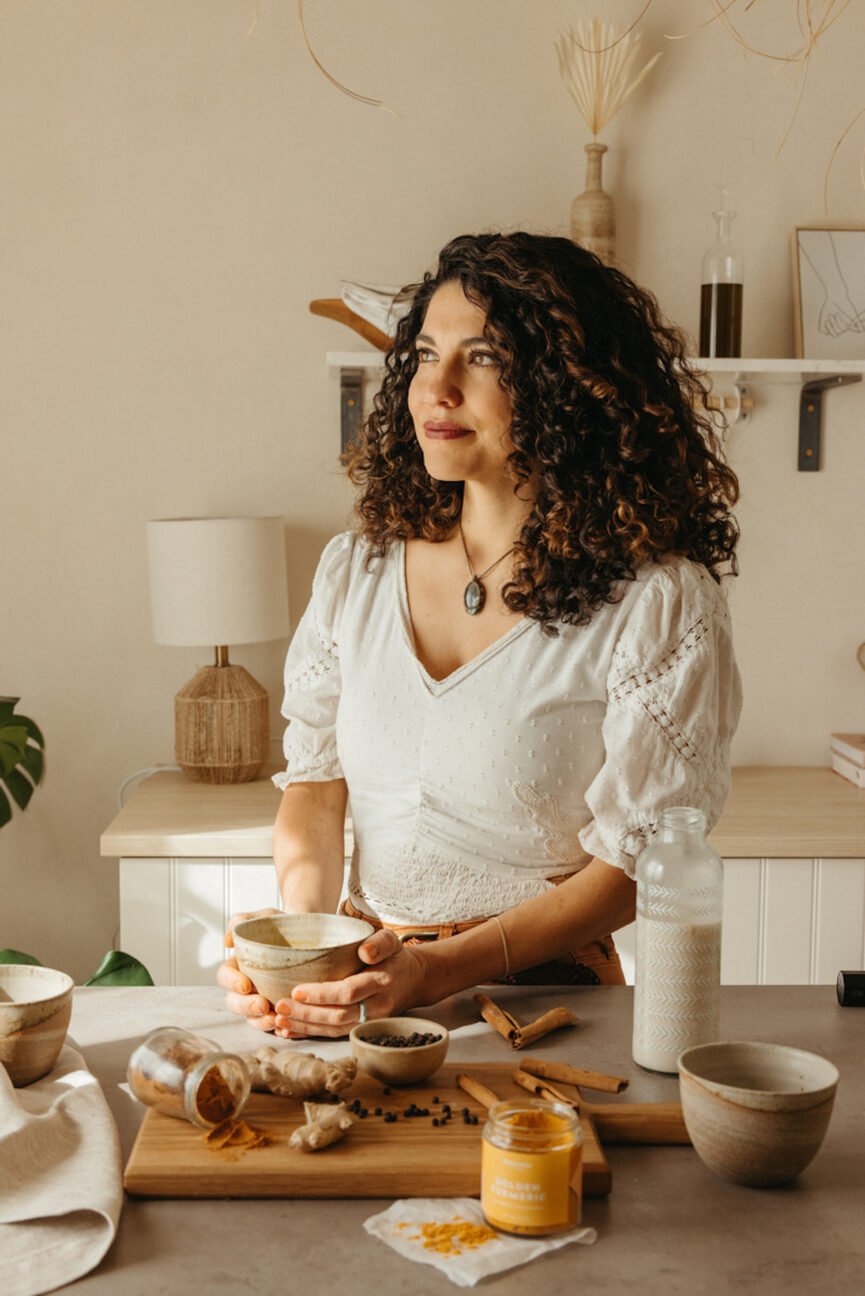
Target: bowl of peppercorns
[399,1050]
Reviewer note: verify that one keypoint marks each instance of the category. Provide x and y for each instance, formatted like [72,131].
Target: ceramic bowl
[398,1066]
[279,951]
[35,1007]
[756,1113]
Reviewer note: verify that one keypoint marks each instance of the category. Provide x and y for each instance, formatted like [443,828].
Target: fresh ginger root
[298,1075]
[324,1124]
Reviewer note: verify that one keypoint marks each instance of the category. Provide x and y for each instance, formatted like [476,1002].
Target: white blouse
[469,793]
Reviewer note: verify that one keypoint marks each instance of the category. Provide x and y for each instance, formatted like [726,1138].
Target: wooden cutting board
[407,1158]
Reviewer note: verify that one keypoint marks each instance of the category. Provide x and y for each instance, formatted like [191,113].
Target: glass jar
[189,1077]
[680,894]
[721,287]
[531,1167]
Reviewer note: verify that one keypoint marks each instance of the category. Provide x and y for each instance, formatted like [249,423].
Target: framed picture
[829,292]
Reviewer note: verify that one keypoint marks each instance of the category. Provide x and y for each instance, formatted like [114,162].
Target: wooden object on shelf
[335,309]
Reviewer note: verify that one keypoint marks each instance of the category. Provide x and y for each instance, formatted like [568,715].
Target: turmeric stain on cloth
[452,1238]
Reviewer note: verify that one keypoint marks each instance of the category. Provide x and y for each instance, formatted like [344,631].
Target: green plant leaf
[20,787]
[21,745]
[119,969]
[33,764]
[33,730]
[13,745]
[15,956]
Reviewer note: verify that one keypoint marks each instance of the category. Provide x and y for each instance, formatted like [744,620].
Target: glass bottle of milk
[680,885]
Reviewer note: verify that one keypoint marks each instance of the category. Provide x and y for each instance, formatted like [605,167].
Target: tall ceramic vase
[593,213]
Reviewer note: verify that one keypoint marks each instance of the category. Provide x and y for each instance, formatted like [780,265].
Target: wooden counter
[792,838]
[796,812]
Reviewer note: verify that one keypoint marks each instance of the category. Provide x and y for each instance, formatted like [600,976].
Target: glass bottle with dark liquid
[721,290]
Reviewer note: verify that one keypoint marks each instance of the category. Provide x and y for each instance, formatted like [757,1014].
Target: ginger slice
[324,1125]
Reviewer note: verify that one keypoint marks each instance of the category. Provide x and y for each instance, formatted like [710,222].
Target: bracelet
[497,920]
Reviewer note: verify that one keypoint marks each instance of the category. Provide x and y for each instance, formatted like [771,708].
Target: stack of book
[848,757]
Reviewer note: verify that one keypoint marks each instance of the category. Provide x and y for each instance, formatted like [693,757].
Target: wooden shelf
[773,812]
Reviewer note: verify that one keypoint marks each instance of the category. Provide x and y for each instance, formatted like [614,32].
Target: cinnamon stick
[476,1090]
[555,1019]
[517,1035]
[542,1090]
[574,1075]
[506,1025]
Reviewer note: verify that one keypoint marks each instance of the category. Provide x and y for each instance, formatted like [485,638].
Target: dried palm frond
[597,66]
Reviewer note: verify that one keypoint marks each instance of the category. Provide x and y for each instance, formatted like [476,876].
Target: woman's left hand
[395,981]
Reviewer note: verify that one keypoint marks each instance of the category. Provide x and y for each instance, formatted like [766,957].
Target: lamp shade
[217,580]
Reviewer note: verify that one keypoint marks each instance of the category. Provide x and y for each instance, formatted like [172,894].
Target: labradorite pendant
[474,597]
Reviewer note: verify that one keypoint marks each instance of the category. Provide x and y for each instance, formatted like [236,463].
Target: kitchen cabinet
[792,838]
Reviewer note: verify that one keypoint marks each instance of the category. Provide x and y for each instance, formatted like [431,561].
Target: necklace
[474,594]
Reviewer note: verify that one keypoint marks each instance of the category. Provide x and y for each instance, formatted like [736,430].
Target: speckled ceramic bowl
[35,1008]
[280,951]
[756,1113]
[398,1066]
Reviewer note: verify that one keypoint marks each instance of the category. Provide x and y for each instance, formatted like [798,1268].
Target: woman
[523,652]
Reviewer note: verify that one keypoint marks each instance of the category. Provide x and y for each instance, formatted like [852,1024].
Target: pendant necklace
[474,594]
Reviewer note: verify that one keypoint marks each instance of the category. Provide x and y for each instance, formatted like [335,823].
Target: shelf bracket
[811,416]
[350,404]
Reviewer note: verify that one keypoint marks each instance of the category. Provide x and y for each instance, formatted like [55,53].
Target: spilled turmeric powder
[234,1137]
[452,1238]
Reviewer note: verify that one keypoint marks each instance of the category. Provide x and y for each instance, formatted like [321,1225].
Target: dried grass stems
[813,20]
[344,89]
[596,63]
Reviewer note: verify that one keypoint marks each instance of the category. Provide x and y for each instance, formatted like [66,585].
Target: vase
[593,213]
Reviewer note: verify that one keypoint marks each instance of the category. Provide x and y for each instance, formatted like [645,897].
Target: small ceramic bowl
[756,1113]
[280,951]
[35,1008]
[395,1065]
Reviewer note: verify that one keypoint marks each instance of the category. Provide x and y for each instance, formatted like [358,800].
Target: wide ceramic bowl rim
[37,973]
[775,1099]
[399,1026]
[355,935]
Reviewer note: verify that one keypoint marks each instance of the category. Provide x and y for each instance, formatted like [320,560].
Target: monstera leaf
[116,968]
[21,763]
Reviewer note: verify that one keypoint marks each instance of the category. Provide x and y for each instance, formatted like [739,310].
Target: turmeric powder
[452,1238]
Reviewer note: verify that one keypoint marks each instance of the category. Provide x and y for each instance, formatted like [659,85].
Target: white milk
[677,994]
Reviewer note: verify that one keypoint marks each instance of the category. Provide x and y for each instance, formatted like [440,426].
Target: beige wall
[176,188]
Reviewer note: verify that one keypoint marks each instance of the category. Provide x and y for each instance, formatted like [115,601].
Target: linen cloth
[60,1178]
[469,793]
[398,1227]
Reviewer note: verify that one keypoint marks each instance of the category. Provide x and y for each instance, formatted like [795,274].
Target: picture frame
[829,292]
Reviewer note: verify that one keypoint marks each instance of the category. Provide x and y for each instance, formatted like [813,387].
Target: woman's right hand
[241,994]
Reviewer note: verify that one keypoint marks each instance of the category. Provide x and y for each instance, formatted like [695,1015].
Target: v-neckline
[460,673]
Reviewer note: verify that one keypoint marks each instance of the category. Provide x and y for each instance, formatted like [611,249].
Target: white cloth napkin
[398,1226]
[60,1178]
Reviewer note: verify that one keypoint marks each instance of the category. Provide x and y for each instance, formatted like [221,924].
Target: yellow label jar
[531,1167]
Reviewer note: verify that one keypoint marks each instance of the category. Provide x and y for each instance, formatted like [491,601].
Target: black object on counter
[851,989]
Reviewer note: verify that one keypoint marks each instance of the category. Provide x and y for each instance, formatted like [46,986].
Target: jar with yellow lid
[531,1167]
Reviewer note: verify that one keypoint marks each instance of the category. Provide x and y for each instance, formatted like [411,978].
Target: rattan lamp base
[220,726]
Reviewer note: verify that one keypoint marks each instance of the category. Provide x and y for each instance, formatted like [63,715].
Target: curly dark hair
[608,422]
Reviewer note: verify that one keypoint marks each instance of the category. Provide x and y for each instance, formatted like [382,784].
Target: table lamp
[219,581]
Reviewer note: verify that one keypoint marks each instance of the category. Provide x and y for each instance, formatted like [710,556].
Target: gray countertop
[669,1226]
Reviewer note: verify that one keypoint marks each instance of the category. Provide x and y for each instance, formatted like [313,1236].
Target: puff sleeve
[673,702]
[312,674]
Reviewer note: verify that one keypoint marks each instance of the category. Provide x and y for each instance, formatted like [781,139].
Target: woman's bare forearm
[308,846]
[596,901]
